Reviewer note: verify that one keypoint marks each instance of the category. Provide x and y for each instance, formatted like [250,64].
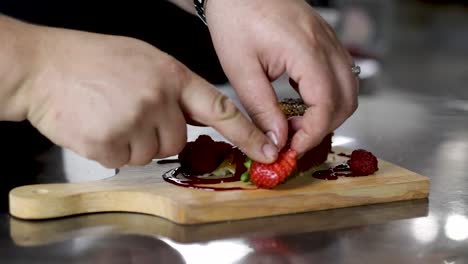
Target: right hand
[276,37]
[120,101]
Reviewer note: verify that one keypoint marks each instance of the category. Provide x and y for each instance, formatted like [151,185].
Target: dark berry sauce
[342,170]
[203,156]
[179,178]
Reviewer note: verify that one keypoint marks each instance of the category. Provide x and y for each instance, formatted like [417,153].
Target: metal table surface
[414,113]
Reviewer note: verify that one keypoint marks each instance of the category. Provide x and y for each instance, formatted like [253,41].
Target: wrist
[18,52]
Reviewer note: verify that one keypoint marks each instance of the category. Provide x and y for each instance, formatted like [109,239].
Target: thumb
[203,103]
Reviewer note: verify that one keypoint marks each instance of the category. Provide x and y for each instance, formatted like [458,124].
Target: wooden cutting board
[143,190]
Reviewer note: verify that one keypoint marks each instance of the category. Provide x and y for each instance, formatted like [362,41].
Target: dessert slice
[205,158]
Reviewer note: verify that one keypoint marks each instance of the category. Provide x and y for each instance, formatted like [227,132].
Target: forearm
[17,49]
[186,5]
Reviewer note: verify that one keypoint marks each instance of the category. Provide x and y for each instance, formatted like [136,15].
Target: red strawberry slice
[270,175]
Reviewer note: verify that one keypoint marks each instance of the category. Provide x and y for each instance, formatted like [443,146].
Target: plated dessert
[205,162]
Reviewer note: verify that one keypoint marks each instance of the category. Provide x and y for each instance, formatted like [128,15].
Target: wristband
[200,7]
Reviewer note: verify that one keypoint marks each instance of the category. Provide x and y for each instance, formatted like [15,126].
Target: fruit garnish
[363,162]
[245,177]
[204,155]
[270,175]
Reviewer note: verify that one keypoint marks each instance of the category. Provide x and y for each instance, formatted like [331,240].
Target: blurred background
[406,47]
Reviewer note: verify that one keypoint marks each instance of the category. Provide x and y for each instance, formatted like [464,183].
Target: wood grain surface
[143,190]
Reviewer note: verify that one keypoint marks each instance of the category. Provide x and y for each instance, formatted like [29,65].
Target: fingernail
[270,152]
[272,136]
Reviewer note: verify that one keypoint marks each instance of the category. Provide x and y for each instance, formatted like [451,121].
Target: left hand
[257,41]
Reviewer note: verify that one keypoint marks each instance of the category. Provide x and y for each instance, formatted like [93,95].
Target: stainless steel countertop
[413,113]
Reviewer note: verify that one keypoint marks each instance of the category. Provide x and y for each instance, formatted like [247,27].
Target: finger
[259,99]
[314,127]
[111,155]
[208,106]
[294,124]
[143,146]
[318,92]
[294,85]
[172,133]
[192,122]
[348,88]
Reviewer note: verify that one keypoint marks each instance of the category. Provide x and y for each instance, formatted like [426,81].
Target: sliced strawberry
[270,175]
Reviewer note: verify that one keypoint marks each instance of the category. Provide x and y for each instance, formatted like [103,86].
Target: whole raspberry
[203,155]
[363,162]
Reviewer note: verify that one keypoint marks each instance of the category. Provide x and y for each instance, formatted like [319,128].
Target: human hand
[257,41]
[120,101]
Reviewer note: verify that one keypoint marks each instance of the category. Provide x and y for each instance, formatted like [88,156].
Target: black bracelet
[200,7]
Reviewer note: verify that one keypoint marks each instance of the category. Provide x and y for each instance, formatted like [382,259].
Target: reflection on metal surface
[460,105]
[425,229]
[40,233]
[456,227]
[456,150]
[216,252]
[83,243]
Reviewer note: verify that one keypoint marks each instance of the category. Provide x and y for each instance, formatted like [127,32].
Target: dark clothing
[158,22]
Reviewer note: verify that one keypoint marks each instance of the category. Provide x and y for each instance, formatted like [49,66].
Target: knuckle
[155,98]
[322,37]
[313,38]
[313,41]
[96,154]
[133,118]
[178,72]
[224,108]
[104,138]
[104,148]
[172,149]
